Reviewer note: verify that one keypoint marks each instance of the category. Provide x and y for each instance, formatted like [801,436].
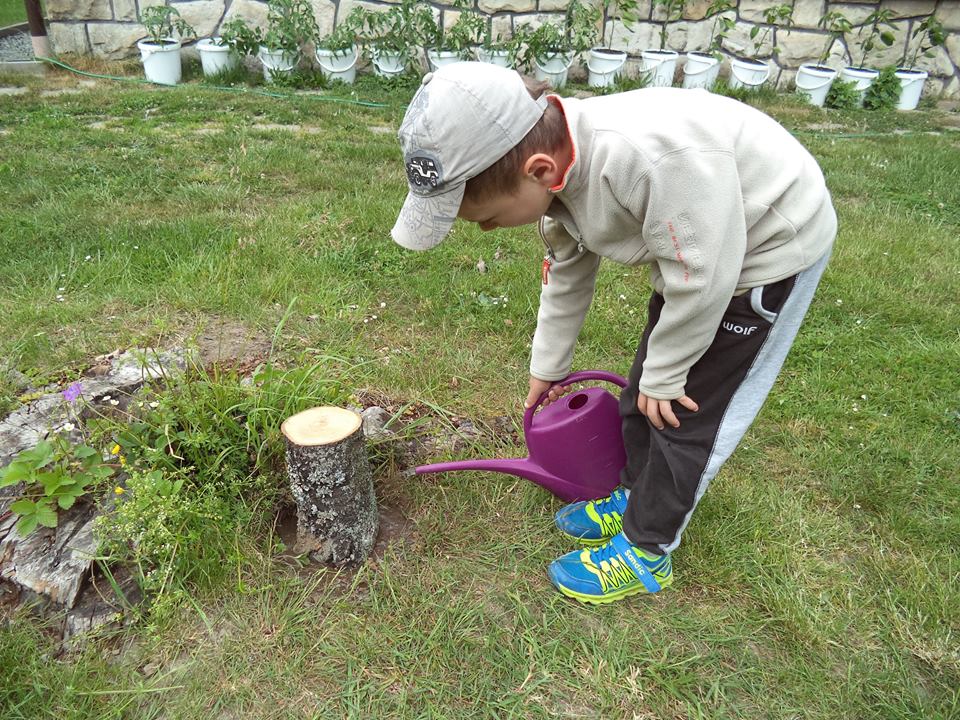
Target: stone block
[325,13]
[786,79]
[115,41]
[801,46]
[493,6]
[68,37]
[752,10]
[807,14]
[948,12]
[125,10]
[501,26]
[689,36]
[203,15]
[909,8]
[79,10]
[856,14]
[951,88]
[738,42]
[643,37]
[695,9]
[881,55]
[952,49]
[253,13]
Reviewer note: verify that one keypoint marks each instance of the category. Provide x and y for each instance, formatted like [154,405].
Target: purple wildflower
[73,392]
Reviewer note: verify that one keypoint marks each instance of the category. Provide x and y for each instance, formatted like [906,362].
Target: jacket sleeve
[564,302]
[695,226]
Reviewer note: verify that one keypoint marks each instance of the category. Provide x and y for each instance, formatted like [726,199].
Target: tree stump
[329,474]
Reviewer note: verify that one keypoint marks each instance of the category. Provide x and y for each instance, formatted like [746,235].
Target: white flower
[88,257]
[154,404]
[114,402]
[68,426]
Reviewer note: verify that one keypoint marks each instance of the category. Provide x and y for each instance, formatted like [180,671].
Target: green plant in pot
[160,50]
[220,55]
[658,65]
[815,80]
[395,34]
[499,50]
[337,52]
[926,36]
[448,45]
[749,71]
[604,62]
[876,31]
[290,25]
[702,67]
[552,47]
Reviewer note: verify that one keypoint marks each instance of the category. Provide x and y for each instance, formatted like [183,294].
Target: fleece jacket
[712,194]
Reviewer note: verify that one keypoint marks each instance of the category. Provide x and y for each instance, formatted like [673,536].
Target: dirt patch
[222,341]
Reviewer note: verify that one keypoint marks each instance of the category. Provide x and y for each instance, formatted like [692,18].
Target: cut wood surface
[330,479]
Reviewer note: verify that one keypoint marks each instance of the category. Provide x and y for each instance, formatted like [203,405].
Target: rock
[374,423]
[52,562]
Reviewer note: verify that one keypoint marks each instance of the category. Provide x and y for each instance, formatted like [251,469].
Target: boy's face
[527,205]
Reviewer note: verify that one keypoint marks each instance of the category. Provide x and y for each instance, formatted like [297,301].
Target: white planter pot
[700,70]
[748,73]
[554,69]
[494,57]
[439,58]
[387,63]
[216,59]
[338,64]
[276,62]
[161,63]
[814,81]
[911,87]
[861,77]
[658,67]
[604,66]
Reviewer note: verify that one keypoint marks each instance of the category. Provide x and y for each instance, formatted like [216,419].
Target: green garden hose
[252,91]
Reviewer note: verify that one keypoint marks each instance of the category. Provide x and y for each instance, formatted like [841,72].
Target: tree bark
[330,477]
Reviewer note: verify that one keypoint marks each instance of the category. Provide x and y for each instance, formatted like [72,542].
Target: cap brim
[425,221]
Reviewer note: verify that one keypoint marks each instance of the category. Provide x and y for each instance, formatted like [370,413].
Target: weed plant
[843,95]
[884,91]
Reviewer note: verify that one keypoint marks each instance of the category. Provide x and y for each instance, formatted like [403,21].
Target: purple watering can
[575,443]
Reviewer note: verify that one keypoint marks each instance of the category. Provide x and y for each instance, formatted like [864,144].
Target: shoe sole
[610,597]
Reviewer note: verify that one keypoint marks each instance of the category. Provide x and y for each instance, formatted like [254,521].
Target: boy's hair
[547,136]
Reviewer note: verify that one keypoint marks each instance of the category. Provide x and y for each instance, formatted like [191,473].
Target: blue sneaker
[593,522]
[613,571]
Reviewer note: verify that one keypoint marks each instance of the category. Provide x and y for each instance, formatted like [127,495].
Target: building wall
[109,28]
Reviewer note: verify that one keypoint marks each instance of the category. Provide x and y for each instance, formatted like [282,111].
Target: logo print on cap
[423,174]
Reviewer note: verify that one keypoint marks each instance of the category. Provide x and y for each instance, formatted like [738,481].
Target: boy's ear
[542,168]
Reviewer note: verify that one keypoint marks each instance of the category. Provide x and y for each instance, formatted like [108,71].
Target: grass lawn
[818,578]
[12,12]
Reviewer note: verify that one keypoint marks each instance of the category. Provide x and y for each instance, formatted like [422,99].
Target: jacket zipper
[550,257]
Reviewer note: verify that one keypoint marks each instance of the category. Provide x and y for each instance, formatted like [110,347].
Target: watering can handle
[572,378]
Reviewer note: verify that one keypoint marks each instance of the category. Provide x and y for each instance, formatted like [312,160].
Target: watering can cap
[464,117]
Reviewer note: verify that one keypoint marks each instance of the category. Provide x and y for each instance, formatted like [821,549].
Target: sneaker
[610,572]
[594,522]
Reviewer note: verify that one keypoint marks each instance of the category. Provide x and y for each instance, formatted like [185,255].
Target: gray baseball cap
[464,118]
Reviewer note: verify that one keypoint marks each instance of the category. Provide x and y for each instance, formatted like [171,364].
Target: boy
[729,211]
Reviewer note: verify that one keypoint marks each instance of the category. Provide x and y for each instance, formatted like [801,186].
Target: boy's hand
[538,387]
[657,411]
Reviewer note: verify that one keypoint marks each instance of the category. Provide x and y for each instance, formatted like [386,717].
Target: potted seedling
[750,71]
[499,50]
[160,51]
[701,68]
[657,66]
[290,25]
[456,43]
[814,80]
[876,35]
[393,33]
[927,35]
[552,47]
[604,62]
[337,53]
[217,57]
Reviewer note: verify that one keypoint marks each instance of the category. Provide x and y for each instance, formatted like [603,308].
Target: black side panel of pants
[664,467]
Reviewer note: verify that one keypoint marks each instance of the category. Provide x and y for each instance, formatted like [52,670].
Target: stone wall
[109,28]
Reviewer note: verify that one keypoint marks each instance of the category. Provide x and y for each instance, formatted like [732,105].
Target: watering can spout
[521,467]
